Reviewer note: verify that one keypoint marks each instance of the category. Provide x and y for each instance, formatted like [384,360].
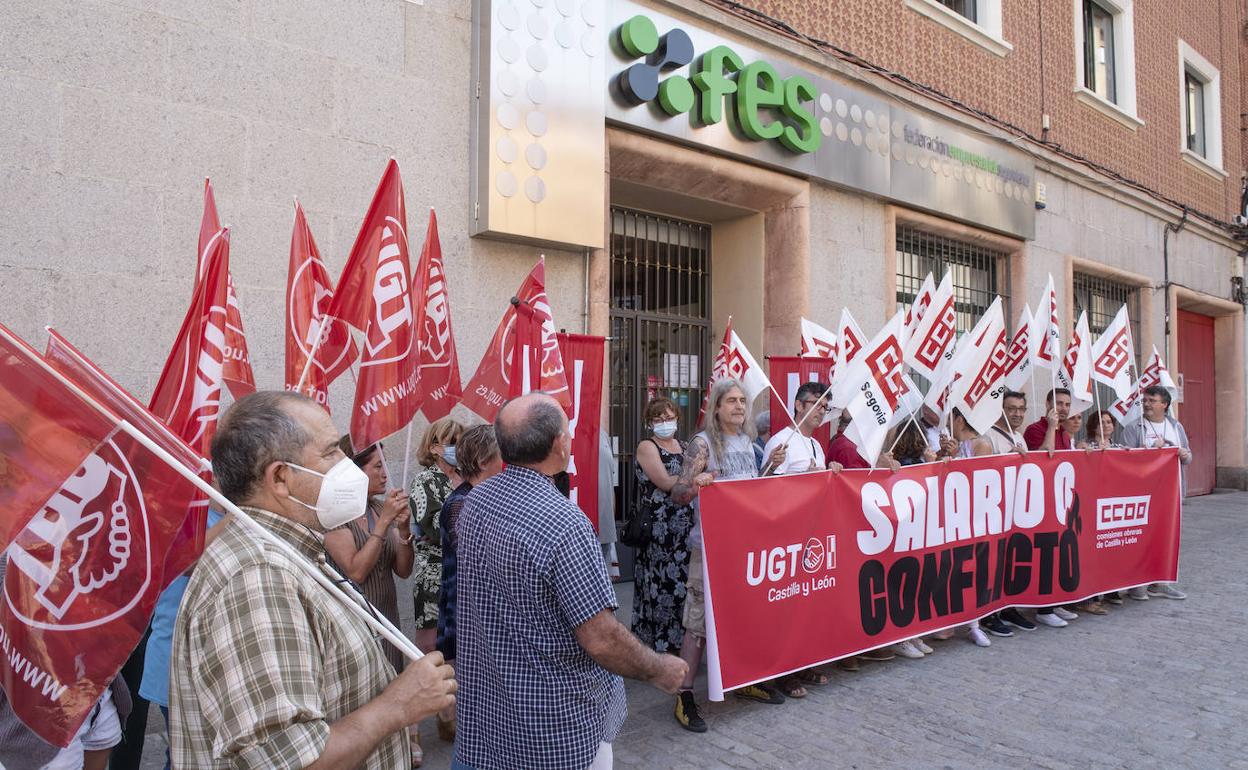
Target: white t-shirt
[1163,429]
[801,456]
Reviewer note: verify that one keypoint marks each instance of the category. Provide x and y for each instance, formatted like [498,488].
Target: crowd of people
[253,663]
[668,572]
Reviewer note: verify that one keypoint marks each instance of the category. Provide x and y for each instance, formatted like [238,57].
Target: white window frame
[985,33]
[1124,110]
[1211,161]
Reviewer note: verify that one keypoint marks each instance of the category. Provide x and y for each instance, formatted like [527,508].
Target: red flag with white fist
[237,371]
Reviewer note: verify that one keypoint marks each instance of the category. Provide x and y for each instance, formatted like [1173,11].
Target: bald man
[540,653]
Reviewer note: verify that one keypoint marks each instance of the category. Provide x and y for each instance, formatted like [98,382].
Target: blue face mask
[448,455]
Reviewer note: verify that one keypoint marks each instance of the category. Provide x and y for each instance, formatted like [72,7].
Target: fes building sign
[550,76]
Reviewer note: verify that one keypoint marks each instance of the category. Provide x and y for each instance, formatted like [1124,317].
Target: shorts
[694,619]
[102,730]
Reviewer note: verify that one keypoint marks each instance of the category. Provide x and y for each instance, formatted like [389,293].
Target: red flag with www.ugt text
[188,394]
[788,373]
[308,296]
[98,513]
[583,355]
[374,295]
[491,383]
[237,371]
[439,365]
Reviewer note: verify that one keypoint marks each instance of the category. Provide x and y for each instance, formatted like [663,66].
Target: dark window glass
[1098,51]
[965,8]
[1194,109]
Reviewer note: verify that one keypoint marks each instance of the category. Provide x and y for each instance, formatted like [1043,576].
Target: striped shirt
[265,659]
[529,572]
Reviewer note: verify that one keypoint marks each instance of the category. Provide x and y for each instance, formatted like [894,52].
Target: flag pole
[307,366]
[407,453]
[355,604]
[797,426]
[897,438]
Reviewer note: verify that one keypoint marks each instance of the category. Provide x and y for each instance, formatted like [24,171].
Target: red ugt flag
[583,355]
[188,395]
[439,365]
[92,515]
[92,380]
[374,295]
[308,296]
[490,385]
[237,373]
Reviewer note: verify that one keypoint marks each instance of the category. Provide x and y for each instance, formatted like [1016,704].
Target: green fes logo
[757,100]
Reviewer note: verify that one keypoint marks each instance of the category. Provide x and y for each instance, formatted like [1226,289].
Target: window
[977,20]
[1098,51]
[1194,114]
[1200,111]
[1102,298]
[967,8]
[1105,58]
[979,274]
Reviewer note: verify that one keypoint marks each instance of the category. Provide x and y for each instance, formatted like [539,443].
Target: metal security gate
[1102,298]
[660,329]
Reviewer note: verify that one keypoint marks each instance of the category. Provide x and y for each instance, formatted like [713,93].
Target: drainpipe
[1165,260]
[585,308]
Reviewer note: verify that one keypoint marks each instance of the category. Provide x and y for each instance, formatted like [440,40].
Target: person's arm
[1185,450]
[692,475]
[356,563]
[616,649]
[401,533]
[650,461]
[258,673]
[981,447]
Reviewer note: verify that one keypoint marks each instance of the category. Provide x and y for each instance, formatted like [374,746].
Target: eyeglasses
[816,403]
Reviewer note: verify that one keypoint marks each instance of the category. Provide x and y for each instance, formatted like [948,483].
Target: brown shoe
[848,664]
[1093,607]
[882,653]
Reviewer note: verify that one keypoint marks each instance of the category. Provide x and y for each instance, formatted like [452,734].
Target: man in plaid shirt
[269,670]
[540,651]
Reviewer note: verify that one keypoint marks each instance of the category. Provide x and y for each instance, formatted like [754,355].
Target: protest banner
[805,569]
[583,357]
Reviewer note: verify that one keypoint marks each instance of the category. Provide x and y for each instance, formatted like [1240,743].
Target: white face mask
[344,493]
[665,429]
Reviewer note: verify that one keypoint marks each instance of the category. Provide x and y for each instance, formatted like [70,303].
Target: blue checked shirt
[530,571]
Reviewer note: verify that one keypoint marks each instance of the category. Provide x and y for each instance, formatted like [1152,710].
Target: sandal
[812,676]
[792,687]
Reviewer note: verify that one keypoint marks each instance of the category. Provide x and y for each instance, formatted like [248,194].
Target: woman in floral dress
[429,491]
[662,564]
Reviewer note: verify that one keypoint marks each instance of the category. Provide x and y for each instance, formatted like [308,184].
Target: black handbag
[639,527]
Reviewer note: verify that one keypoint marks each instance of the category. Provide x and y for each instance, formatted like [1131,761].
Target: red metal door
[1197,412]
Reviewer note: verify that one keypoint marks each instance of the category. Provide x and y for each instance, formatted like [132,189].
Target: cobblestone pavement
[1160,684]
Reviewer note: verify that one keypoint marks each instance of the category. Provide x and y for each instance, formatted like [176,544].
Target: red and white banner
[876,384]
[805,569]
[817,342]
[489,387]
[1075,373]
[979,386]
[1127,410]
[237,372]
[526,357]
[374,295]
[787,374]
[188,394]
[92,516]
[922,301]
[308,297]
[583,355]
[931,344]
[1046,330]
[1020,352]
[1114,354]
[439,364]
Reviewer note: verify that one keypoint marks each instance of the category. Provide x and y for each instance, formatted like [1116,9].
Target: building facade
[677,163]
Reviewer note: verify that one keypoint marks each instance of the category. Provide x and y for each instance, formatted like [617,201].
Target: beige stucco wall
[114,112]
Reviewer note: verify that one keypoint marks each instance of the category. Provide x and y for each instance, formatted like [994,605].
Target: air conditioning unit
[1240,220]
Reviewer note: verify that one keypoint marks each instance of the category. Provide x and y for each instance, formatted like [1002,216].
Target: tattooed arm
[693,474]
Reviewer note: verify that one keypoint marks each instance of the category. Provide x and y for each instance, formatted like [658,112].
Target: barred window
[1102,298]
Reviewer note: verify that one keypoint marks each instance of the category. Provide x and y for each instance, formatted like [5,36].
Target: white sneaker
[1165,590]
[907,649]
[978,636]
[1064,613]
[1051,620]
[921,645]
